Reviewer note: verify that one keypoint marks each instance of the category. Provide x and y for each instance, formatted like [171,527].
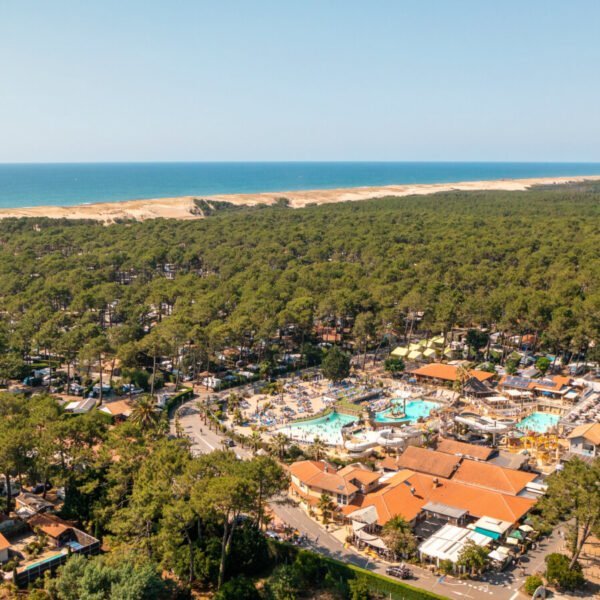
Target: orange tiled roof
[4,543]
[493,477]
[322,476]
[428,461]
[559,383]
[448,372]
[554,384]
[589,431]
[51,526]
[464,449]
[119,408]
[389,463]
[406,494]
[360,473]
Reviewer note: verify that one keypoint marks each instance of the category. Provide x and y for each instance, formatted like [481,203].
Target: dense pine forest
[515,262]
[85,295]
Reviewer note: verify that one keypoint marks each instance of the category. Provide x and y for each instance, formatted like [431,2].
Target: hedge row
[184,394]
[397,590]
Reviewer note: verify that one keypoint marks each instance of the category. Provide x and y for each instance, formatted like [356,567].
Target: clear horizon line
[329,161]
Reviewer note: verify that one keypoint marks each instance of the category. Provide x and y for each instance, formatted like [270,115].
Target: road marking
[207,443]
[514,595]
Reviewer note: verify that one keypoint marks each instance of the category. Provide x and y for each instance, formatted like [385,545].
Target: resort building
[408,493]
[494,478]
[439,373]
[465,450]
[556,387]
[310,479]
[425,461]
[584,441]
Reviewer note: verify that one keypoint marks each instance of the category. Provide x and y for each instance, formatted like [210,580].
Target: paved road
[501,586]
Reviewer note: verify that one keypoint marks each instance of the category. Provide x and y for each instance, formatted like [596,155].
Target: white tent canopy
[371,540]
[448,542]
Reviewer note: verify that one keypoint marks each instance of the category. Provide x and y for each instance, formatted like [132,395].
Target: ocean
[23,185]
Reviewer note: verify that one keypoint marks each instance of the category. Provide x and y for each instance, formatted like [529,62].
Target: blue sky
[299,80]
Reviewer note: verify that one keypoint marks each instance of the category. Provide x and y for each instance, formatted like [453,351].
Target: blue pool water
[414,410]
[539,422]
[71,184]
[327,428]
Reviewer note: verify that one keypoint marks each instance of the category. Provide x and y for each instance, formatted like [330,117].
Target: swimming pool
[539,422]
[414,410]
[327,428]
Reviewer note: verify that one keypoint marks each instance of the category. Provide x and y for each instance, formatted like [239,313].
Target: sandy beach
[184,207]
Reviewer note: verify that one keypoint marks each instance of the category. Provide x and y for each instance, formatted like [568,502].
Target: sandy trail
[183,207]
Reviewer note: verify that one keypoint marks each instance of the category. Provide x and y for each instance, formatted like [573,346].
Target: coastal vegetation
[263,283]
[522,262]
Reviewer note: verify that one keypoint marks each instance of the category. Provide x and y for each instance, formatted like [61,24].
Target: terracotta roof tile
[4,543]
[51,526]
[427,461]
[589,431]
[321,475]
[448,372]
[405,494]
[493,477]
[464,449]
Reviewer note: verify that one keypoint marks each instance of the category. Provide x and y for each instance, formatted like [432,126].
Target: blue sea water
[70,184]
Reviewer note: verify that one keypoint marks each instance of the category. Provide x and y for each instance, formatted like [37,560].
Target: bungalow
[81,407]
[439,373]
[58,531]
[28,504]
[584,441]
[119,409]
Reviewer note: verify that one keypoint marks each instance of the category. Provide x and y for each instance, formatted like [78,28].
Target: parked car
[402,572]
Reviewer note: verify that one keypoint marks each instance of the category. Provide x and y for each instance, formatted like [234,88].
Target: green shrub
[446,567]
[561,574]
[532,583]
[238,588]
[359,588]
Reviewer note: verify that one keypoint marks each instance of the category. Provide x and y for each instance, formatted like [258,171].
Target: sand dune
[184,207]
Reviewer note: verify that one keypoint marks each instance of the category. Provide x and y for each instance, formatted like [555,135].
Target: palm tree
[473,557]
[326,507]
[280,444]
[233,402]
[318,448]
[255,440]
[399,537]
[144,412]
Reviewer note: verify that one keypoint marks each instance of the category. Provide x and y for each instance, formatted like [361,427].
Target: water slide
[483,424]
[394,438]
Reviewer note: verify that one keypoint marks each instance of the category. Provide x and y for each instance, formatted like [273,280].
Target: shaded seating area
[448,543]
